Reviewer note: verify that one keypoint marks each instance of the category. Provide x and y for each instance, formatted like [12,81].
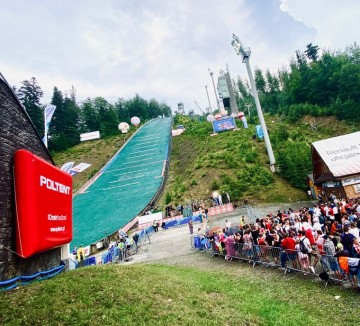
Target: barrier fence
[116,254]
[23,280]
[340,270]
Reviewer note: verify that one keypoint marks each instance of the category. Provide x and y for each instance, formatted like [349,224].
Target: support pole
[261,116]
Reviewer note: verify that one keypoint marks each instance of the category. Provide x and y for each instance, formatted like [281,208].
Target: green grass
[233,161]
[229,294]
[238,164]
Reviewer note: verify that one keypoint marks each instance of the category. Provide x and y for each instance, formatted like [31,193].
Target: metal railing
[326,267]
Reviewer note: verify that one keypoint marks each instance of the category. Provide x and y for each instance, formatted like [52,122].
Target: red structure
[43,199]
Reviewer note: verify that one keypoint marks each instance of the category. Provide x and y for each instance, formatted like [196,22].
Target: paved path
[176,240]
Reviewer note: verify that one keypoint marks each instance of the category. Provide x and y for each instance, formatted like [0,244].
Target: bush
[193,182]
[214,185]
[168,198]
[294,163]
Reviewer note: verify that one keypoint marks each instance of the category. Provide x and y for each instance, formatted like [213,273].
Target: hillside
[236,163]
[95,152]
[188,290]
[231,161]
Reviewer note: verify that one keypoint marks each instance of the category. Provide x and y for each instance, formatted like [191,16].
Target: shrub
[193,182]
[168,198]
[214,185]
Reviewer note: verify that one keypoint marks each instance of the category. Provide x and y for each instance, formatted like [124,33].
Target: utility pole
[217,99]
[207,93]
[245,54]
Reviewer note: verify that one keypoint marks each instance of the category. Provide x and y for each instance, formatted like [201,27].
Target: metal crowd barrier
[327,267]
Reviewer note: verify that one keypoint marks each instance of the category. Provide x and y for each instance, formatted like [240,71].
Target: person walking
[155,226]
[191,226]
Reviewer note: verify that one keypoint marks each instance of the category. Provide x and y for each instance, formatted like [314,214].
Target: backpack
[303,247]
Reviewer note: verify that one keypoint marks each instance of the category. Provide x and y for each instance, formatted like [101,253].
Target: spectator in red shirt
[288,244]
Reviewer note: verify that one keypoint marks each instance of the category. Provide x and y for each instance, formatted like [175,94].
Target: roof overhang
[340,154]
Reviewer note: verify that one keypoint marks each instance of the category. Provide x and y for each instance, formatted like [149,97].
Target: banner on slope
[79,168]
[224,124]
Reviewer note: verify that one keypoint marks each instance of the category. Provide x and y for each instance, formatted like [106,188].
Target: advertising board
[224,124]
[90,136]
[43,199]
[341,154]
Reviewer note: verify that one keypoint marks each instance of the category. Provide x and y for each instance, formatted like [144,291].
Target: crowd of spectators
[326,234]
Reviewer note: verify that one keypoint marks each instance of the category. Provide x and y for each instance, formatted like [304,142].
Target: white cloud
[159,49]
[336,22]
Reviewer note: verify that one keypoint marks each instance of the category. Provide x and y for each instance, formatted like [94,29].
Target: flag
[48,113]
[67,166]
[79,168]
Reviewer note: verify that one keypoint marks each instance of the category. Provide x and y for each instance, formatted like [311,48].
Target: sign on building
[43,199]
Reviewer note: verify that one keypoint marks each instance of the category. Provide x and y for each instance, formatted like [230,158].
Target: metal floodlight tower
[217,99]
[245,54]
[207,93]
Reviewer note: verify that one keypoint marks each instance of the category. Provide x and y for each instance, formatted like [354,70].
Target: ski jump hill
[125,186]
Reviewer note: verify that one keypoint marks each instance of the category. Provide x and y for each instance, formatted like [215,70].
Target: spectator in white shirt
[354,231]
[317,226]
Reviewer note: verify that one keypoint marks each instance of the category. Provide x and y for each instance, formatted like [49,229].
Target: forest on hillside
[73,117]
[316,83]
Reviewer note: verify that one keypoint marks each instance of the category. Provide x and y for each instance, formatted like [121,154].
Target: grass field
[190,290]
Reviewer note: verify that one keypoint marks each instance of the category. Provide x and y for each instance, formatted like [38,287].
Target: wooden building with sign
[17,132]
[336,166]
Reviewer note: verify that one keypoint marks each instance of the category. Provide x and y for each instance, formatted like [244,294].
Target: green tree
[122,110]
[107,117]
[154,109]
[65,124]
[312,52]
[260,82]
[294,163]
[138,107]
[30,94]
[90,118]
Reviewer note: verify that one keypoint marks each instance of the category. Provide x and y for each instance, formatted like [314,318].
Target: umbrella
[232,230]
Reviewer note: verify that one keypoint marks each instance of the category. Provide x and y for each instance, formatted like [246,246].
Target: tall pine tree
[30,95]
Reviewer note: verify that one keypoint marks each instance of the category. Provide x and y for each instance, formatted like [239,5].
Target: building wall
[350,192]
[16,132]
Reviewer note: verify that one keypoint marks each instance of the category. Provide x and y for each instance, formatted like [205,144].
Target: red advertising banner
[43,197]
[222,209]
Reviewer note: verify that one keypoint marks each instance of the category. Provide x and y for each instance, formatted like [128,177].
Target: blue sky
[160,49]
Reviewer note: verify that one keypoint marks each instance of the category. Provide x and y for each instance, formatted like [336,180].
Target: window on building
[357,188]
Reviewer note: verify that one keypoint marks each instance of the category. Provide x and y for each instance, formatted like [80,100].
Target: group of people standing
[325,235]
[220,199]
